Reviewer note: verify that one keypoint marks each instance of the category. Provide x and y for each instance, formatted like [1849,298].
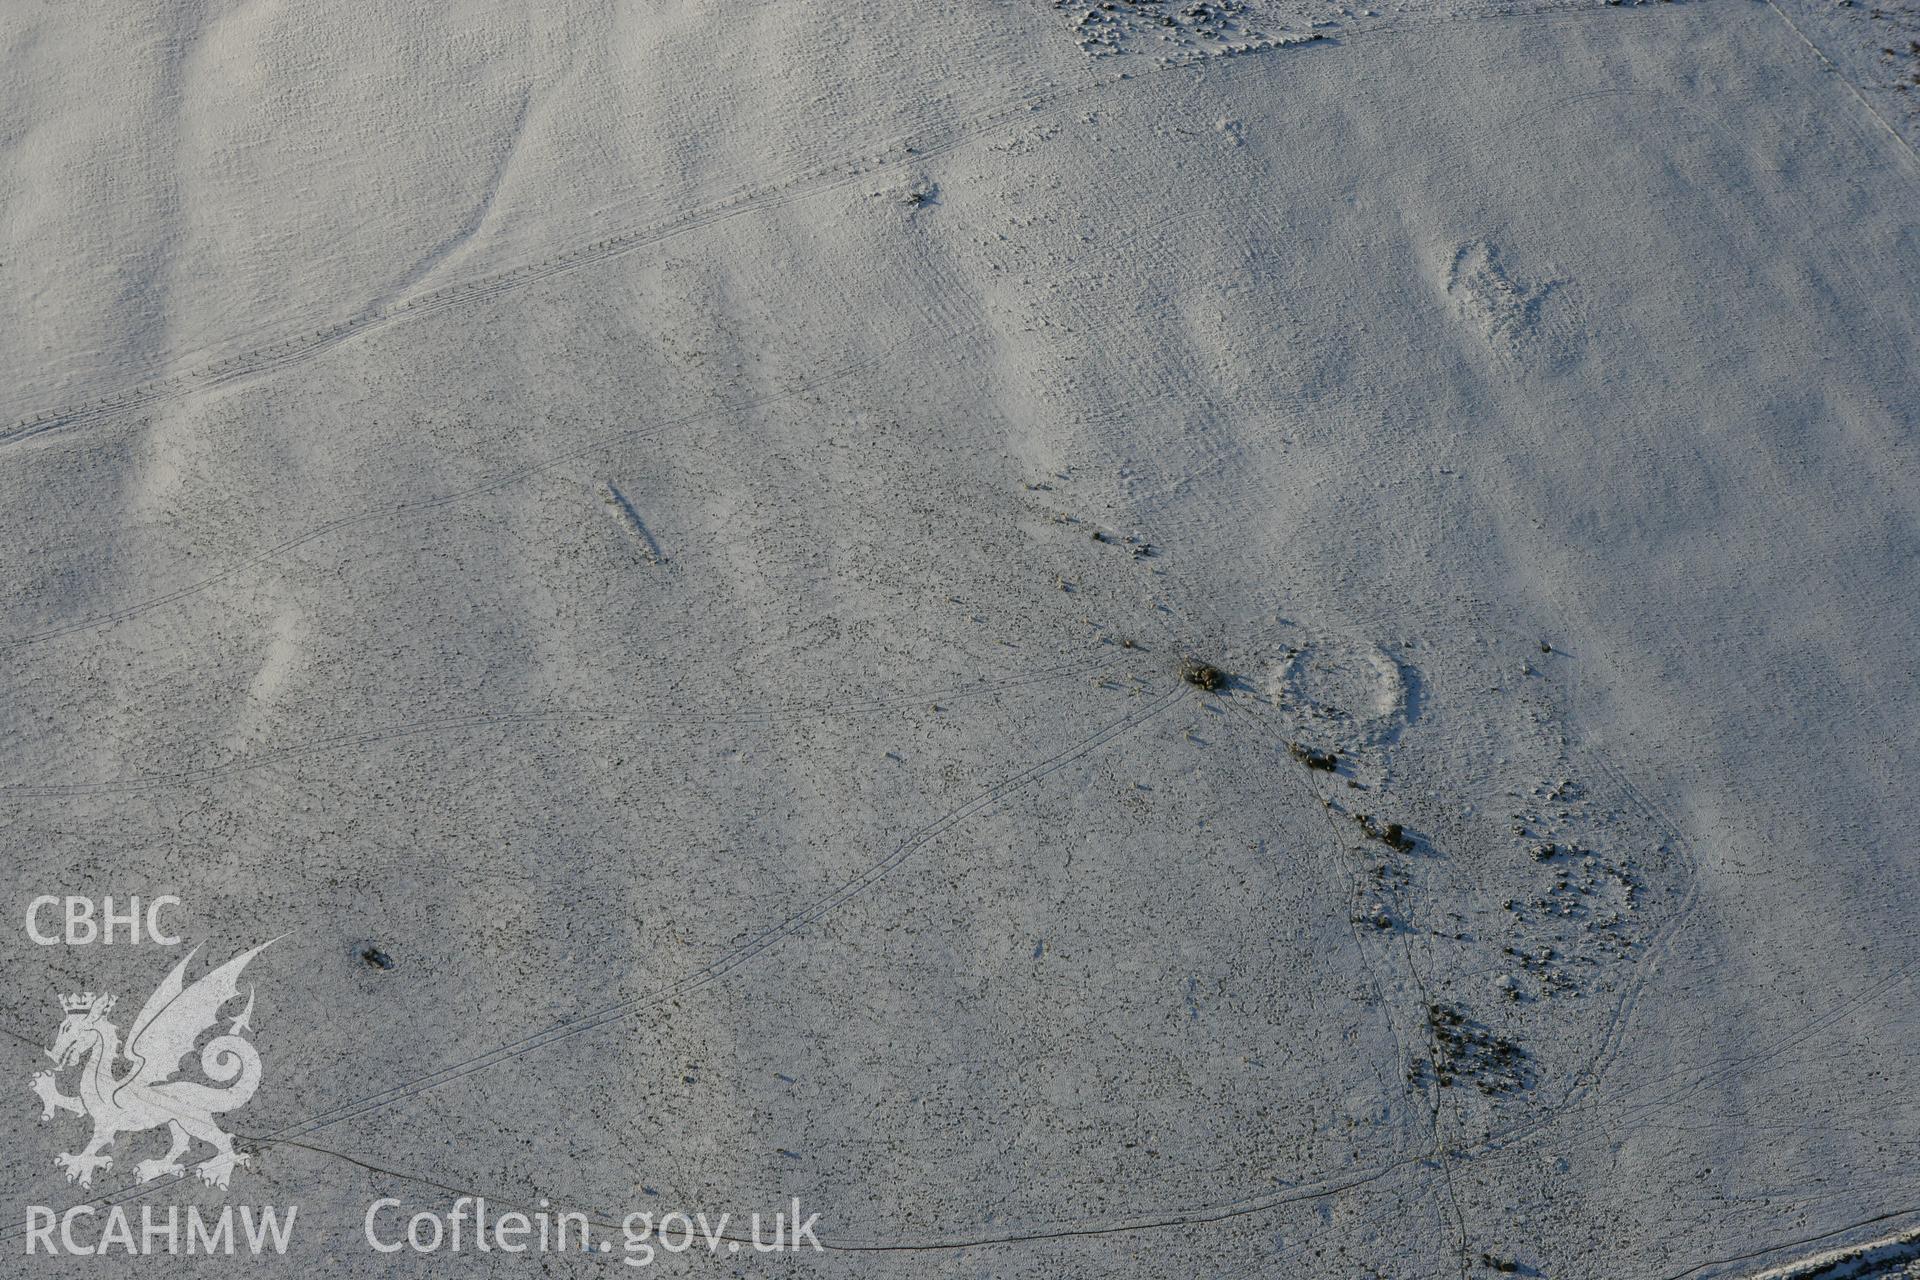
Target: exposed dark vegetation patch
[1325,761]
[1392,834]
[1107,27]
[1468,1051]
[1901,60]
[1203,675]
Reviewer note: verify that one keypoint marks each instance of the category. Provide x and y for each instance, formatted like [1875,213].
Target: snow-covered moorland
[1183,639]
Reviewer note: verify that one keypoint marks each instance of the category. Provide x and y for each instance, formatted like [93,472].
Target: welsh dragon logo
[148,1095]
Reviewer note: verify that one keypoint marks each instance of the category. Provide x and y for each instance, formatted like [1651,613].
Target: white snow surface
[679,524]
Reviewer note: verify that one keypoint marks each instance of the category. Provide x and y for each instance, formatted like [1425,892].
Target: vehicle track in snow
[295,347]
[505,719]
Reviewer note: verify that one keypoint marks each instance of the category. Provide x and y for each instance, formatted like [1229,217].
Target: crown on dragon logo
[169,1031]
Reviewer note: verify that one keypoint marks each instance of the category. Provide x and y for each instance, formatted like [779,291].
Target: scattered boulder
[1325,761]
[1203,675]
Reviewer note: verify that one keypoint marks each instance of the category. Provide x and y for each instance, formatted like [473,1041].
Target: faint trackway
[293,351]
[934,139]
[735,718]
[754,947]
[1893,1249]
[797,922]
[421,508]
[843,1244]
[1439,1153]
[1565,1109]
[298,348]
[427,508]
[736,958]
[1584,1083]
[463,235]
[1853,88]
[1150,1220]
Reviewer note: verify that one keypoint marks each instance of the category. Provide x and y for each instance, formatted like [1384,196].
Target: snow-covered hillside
[1142,639]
